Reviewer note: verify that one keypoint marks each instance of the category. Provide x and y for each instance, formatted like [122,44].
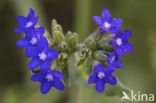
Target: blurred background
[139,72]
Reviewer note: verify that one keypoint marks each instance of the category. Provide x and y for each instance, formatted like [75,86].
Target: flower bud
[53,24]
[104,42]
[58,34]
[72,39]
[49,38]
[100,56]
[85,53]
[91,43]
[62,58]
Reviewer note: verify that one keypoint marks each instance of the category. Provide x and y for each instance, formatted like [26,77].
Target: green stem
[72,70]
[75,93]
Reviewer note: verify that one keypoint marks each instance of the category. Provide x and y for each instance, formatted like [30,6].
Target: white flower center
[113,58]
[101,75]
[33,41]
[43,56]
[49,77]
[119,41]
[107,25]
[29,24]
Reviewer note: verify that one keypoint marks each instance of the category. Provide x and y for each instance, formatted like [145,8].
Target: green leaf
[89,65]
[80,62]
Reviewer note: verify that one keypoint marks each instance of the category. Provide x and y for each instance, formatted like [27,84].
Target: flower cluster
[37,47]
[120,44]
[106,45]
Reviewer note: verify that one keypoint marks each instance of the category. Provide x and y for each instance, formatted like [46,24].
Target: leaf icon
[125,96]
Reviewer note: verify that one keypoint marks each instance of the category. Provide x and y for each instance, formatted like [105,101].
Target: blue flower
[31,39]
[101,76]
[107,23]
[36,45]
[120,42]
[113,60]
[41,54]
[48,79]
[26,23]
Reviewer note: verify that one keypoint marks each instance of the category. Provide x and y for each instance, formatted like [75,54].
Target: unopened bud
[91,43]
[72,39]
[58,34]
[100,56]
[104,43]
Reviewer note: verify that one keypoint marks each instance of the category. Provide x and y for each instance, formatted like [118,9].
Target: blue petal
[45,87]
[43,43]
[34,63]
[47,70]
[116,22]
[46,64]
[113,30]
[98,67]
[110,57]
[21,20]
[22,43]
[97,19]
[118,32]
[92,79]
[18,30]
[111,80]
[128,47]
[58,74]
[53,54]
[31,13]
[126,35]
[37,77]
[58,84]
[100,85]
[29,32]
[109,69]
[35,20]
[32,51]
[118,63]
[106,14]
[39,32]
[120,51]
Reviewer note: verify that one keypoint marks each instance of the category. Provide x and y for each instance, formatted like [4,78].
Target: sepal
[58,34]
[71,40]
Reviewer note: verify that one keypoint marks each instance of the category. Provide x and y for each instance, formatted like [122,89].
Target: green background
[138,73]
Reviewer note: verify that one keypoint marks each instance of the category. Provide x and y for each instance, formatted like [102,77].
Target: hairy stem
[72,71]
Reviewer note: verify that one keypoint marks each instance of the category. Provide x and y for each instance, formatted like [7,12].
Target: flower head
[120,42]
[107,23]
[31,39]
[48,79]
[113,60]
[101,76]
[26,23]
[41,54]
